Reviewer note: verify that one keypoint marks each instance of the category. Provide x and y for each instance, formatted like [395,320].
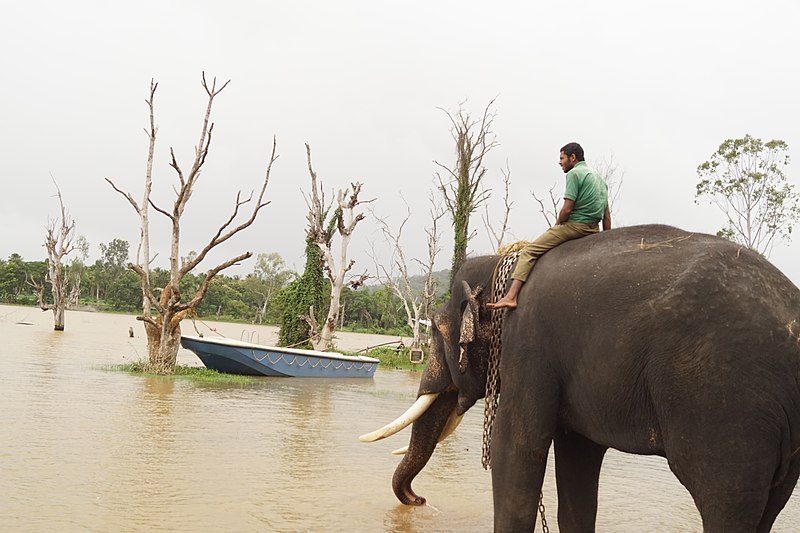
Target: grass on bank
[198,374]
[393,358]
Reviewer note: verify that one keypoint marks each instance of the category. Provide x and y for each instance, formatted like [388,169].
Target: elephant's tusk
[412,414]
[452,424]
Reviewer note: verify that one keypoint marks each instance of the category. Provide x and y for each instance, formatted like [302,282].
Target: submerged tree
[321,232]
[163,329]
[745,179]
[416,304]
[64,288]
[461,186]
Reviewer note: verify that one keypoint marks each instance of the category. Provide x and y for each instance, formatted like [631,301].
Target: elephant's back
[667,268]
[666,294]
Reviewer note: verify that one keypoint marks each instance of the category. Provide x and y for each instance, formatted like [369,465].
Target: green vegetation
[745,179]
[393,358]
[261,297]
[191,373]
[299,296]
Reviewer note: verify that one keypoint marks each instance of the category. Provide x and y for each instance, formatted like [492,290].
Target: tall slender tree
[59,242]
[343,221]
[461,183]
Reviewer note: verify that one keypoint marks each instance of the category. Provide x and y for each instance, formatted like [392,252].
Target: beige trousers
[548,240]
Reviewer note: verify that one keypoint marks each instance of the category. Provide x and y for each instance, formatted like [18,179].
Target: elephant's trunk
[424,435]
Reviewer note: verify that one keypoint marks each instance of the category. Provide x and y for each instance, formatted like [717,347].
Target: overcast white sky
[658,85]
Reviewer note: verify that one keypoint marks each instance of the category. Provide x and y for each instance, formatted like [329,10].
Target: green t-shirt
[589,192]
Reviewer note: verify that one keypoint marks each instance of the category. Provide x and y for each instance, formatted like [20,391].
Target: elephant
[647,339]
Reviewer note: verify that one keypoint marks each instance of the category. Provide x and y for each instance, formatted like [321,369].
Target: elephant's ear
[469,320]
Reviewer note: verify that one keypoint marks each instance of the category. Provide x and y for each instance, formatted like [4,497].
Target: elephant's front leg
[578,462]
[523,431]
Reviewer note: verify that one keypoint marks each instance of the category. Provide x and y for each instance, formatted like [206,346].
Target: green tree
[14,274]
[115,255]
[745,179]
[269,276]
[109,268]
[125,293]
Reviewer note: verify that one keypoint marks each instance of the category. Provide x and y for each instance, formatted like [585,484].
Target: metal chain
[545,529]
[492,399]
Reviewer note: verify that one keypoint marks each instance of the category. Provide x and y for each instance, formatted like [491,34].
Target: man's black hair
[573,149]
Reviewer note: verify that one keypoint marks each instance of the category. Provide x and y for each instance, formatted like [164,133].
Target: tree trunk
[58,318]
[326,333]
[163,341]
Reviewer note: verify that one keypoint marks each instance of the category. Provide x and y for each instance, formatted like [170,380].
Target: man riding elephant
[585,205]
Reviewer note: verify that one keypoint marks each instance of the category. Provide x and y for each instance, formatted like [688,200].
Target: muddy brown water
[87,450]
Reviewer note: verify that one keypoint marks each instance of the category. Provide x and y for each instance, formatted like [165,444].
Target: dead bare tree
[548,207]
[64,288]
[416,305]
[321,231]
[163,329]
[613,176]
[461,186]
[497,237]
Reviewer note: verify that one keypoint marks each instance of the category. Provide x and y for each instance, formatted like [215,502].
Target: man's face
[567,162]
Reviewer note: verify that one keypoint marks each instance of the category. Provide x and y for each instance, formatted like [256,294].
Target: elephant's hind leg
[731,487]
[578,462]
[779,495]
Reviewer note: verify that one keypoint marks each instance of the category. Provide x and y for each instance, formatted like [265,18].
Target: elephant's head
[454,377]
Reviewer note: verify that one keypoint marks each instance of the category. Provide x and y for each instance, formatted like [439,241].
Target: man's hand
[566,209]
[607,219]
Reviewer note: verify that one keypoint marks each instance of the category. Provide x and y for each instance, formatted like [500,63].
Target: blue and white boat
[241,357]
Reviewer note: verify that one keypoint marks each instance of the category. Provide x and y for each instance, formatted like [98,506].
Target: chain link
[545,529]
[492,398]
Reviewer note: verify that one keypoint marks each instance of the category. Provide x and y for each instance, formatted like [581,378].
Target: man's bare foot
[503,303]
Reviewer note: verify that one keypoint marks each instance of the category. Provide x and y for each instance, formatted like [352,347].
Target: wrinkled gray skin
[688,349]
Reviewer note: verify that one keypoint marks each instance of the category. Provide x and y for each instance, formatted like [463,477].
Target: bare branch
[221,237]
[397,277]
[497,237]
[126,195]
[551,209]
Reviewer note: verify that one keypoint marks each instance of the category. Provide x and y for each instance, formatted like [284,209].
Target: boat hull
[239,357]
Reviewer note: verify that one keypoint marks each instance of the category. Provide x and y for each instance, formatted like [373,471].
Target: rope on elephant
[661,244]
[499,280]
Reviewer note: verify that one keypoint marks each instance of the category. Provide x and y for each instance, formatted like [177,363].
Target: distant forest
[256,298]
